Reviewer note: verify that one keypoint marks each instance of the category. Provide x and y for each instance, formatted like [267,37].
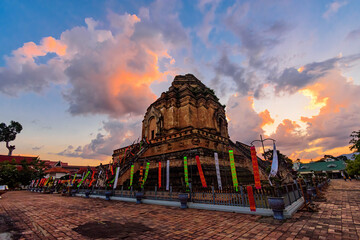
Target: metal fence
[290,192]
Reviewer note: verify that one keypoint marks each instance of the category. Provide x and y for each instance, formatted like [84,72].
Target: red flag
[92,178]
[251,198]
[159,174]
[202,177]
[255,168]
[42,182]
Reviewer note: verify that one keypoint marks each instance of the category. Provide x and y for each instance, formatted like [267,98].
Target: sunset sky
[79,75]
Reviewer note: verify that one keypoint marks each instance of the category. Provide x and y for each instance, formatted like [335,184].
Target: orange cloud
[339,115]
[315,102]
[267,120]
[30,50]
[245,124]
[50,44]
[314,154]
[300,69]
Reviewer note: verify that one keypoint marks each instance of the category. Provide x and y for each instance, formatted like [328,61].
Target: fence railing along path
[291,193]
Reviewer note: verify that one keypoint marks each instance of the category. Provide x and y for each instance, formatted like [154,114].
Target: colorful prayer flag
[255,168]
[131,175]
[82,180]
[146,172]
[217,170]
[116,177]
[202,177]
[251,198]
[73,181]
[159,174]
[167,175]
[186,174]
[141,175]
[233,169]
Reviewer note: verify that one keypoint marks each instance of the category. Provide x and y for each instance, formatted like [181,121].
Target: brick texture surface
[30,215]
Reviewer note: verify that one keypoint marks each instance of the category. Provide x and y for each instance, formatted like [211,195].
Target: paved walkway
[27,215]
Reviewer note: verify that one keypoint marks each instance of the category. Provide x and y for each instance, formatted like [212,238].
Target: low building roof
[322,166]
[17,159]
[57,170]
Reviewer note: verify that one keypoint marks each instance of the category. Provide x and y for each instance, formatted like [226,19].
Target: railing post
[293,189]
[131,191]
[297,187]
[155,192]
[170,192]
[122,189]
[242,196]
[213,194]
[287,192]
[191,192]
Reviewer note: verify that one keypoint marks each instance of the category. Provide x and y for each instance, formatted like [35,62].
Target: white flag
[217,170]
[274,165]
[167,175]
[116,176]
[98,178]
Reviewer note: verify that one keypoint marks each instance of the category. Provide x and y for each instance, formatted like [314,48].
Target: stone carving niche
[153,124]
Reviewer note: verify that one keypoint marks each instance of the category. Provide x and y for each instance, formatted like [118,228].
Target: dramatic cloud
[113,74]
[266,118]
[291,79]
[256,44]
[328,132]
[104,70]
[23,73]
[325,133]
[289,137]
[341,114]
[245,123]
[333,8]
[229,69]
[208,8]
[117,134]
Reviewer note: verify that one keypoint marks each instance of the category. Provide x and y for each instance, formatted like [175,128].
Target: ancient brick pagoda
[187,120]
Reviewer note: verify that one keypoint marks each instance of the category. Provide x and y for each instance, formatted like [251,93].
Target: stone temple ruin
[186,121]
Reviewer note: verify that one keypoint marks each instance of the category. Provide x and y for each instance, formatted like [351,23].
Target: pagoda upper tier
[188,104]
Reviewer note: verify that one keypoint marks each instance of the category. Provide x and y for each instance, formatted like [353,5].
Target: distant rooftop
[322,166]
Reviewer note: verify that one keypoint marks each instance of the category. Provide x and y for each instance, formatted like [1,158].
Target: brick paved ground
[30,215]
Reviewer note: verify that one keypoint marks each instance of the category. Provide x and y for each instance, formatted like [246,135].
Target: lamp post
[262,143]
[276,203]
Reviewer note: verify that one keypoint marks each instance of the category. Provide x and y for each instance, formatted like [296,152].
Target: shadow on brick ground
[8,229]
[107,229]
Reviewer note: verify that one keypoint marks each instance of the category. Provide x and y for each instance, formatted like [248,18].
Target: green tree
[8,134]
[14,175]
[353,166]
[355,141]
[9,174]
[31,170]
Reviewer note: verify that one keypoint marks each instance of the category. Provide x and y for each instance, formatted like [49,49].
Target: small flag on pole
[274,165]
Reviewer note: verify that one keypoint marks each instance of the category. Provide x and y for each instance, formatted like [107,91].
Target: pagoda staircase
[131,158]
[245,149]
